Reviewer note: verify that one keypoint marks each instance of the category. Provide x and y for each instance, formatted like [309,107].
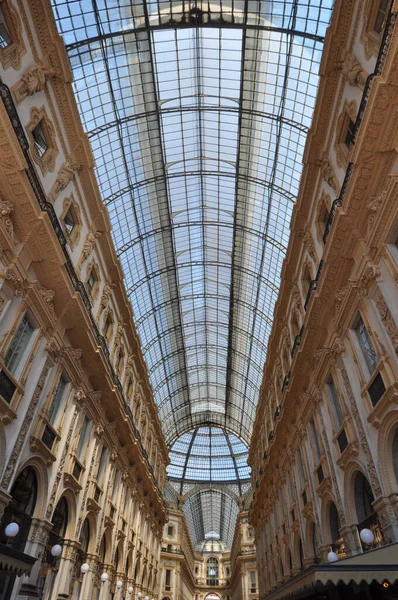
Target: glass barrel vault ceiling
[197,113]
[208,454]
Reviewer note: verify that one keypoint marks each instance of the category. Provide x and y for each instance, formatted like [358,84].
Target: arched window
[334,523]
[363,497]
[212,571]
[21,508]
[85,536]
[314,541]
[102,551]
[395,455]
[301,555]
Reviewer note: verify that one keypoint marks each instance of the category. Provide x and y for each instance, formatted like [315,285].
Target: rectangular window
[40,139]
[19,344]
[365,344]
[91,280]
[342,441]
[376,389]
[253,584]
[5,35]
[334,402]
[57,400]
[315,443]
[101,464]
[381,16]
[168,580]
[81,446]
[48,437]
[170,530]
[7,387]
[115,488]
[69,222]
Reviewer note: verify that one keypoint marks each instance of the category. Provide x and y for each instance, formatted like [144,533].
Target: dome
[208,454]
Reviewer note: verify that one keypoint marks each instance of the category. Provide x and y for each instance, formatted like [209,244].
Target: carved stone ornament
[89,245]
[6,210]
[353,72]
[55,351]
[308,243]
[387,319]
[14,281]
[339,297]
[47,296]
[374,206]
[371,273]
[106,294]
[65,175]
[45,161]
[328,173]
[33,80]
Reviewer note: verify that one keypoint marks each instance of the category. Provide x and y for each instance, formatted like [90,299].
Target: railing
[78,285]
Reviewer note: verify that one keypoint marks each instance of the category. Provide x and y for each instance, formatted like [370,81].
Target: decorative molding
[16,452]
[328,174]
[363,440]
[64,177]
[386,318]
[33,80]
[353,72]
[88,246]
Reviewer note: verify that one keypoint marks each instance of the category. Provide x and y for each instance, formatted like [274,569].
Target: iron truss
[197,113]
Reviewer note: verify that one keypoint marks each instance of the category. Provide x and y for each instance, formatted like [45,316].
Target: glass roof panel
[197,113]
[209,454]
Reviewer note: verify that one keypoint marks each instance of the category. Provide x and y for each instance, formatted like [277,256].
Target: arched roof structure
[197,113]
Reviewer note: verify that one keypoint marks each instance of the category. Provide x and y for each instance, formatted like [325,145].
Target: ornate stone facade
[335,436]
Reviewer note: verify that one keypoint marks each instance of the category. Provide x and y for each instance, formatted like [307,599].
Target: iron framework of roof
[197,113]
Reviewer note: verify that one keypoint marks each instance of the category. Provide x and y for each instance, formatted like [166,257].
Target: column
[61,587]
[386,508]
[35,545]
[89,579]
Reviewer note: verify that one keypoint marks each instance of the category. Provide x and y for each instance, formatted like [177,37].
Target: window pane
[19,344]
[366,345]
[57,399]
[83,437]
[334,404]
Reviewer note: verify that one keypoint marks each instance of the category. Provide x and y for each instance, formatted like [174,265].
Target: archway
[363,497]
[395,455]
[20,510]
[50,564]
[212,596]
[334,523]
